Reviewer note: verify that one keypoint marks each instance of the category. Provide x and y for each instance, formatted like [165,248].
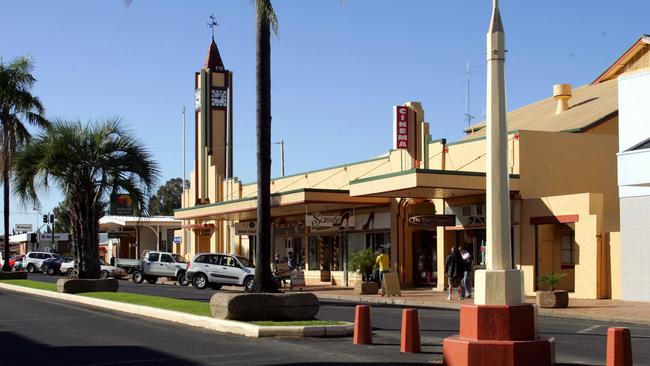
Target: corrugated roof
[589,104]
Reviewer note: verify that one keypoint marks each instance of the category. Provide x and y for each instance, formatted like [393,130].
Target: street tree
[87,163]
[167,198]
[266,21]
[62,222]
[17,106]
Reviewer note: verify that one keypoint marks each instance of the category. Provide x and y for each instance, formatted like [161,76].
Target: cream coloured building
[563,181]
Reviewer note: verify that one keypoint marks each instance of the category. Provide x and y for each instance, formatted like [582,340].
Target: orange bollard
[410,331]
[362,325]
[619,347]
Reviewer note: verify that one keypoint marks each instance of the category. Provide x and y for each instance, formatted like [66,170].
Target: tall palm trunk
[263,276]
[5,191]
[85,232]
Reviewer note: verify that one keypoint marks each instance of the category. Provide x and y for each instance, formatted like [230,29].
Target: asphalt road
[577,341]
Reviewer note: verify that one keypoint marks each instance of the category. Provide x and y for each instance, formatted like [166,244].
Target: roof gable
[636,57]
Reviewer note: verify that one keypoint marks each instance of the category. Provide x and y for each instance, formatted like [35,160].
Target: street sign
[432,220]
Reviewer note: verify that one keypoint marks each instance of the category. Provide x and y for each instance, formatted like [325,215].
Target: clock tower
[213,123]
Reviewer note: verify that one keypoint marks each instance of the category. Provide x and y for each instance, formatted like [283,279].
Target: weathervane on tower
[213,23]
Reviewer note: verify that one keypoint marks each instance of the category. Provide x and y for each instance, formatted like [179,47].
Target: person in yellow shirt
[383,263]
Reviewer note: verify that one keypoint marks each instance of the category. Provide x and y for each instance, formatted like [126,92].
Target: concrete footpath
[599,310]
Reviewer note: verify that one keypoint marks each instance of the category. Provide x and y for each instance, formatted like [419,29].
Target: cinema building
[426,195]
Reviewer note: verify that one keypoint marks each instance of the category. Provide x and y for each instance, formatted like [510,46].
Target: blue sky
[338,67]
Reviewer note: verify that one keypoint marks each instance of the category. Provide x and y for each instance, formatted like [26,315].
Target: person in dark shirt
[455,269]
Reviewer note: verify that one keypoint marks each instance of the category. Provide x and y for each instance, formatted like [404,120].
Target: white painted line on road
[587,330]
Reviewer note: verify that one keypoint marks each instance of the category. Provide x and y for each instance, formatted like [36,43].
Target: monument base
[503,335]
[499,287]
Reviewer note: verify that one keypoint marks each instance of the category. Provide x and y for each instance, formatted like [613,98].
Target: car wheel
[30,268]
[248,283]
[137,277]
[215,286]
[151,280]
[200,281]
[51,271]
[182,279]
[103,274]
[70,272]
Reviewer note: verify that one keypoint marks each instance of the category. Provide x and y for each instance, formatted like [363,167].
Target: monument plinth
[499,329]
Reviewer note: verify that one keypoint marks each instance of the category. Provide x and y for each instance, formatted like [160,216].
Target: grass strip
[184,306]
[302,323]
[32,284]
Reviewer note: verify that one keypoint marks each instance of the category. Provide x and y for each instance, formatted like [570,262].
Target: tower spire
[495,22]
[213,60]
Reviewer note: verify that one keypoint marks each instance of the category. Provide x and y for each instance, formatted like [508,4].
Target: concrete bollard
[362,325]
[619,347]
[410,331]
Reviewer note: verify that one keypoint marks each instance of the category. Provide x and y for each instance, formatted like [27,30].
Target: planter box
[366,288]
[553,299]
[248,307]
[13,275]
[75,286]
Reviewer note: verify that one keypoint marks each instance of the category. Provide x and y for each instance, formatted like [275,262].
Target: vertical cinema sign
[401,127]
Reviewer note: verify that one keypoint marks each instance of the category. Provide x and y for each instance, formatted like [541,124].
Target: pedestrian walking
[467,275]
[383,263]
[454,268]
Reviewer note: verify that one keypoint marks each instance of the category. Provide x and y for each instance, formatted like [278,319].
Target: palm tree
[265,20]
[88,163]
[17,105]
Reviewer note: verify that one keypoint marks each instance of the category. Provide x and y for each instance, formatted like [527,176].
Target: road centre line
[587,330]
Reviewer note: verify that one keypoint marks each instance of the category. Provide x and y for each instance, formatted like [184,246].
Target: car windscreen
[179,259]
[245,262]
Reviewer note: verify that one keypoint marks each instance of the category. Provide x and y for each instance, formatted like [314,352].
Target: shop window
[467,211]
[568,249]
[377,240]
[313,254]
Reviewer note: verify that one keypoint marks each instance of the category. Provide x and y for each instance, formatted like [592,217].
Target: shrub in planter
[552,298]
[363,263]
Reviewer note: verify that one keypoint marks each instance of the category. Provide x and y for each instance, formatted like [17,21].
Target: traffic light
[45,219]
[52,218]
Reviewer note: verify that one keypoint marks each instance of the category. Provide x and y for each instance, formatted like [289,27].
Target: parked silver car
[33,260]
[214,270]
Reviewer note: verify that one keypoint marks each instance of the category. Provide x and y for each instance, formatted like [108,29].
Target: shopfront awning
[424,183]
[296,202]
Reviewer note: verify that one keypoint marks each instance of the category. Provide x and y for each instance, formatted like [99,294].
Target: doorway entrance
[425,258]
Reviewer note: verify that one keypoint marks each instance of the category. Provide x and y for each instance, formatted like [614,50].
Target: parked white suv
[33,260]
[214,270]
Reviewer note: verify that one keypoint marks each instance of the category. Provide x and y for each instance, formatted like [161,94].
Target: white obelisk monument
[499,283]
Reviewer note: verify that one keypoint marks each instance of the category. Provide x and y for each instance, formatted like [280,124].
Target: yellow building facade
[564,211]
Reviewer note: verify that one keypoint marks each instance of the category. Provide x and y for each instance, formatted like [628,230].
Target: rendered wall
[635,248]
[588,232]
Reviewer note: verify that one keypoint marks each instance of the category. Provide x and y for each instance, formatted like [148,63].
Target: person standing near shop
[467,275]
[383,263]
[455,268]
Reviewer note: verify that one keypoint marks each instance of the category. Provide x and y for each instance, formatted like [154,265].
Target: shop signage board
[297,280]
[48,237]
[120,234]
[246,228]
[317,220]
[178,240]
[121,204]
[432,220]
[401,127]
[23,228]
[391,284]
